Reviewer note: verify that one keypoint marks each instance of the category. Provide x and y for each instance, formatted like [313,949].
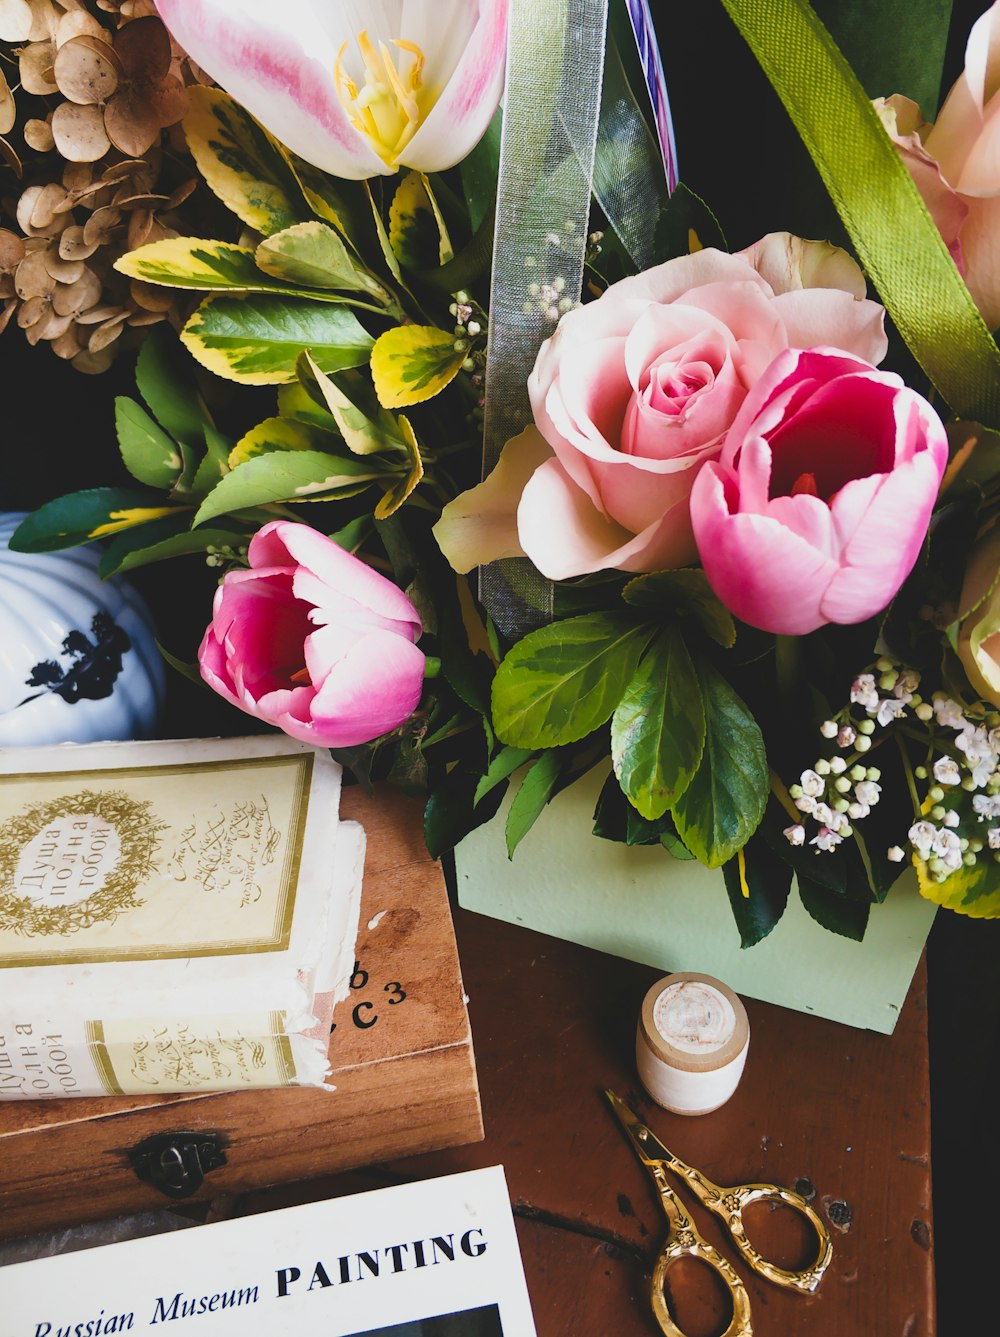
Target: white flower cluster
[973,765]
[833,795]
[962,760]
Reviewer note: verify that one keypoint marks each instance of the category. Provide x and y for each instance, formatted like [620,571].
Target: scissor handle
[729,1205]
[683,1241]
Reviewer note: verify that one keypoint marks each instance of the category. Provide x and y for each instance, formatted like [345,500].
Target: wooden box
[401,1049]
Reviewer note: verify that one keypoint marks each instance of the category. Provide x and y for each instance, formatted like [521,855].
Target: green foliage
[560,683]
[658,729]
[532,795]
[725,801]
[768,882]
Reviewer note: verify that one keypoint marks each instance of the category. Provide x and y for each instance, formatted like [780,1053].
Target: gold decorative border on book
[102,1059]
[280,937]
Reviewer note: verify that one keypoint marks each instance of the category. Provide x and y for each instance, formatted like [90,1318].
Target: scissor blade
[646,1144]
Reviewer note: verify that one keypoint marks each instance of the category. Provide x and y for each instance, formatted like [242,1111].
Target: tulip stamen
[301,678]
[386,109]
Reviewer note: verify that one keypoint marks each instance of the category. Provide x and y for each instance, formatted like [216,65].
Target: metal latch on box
[177,1163]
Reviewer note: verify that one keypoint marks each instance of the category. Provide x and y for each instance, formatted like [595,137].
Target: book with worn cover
[174,916]
[437,1258]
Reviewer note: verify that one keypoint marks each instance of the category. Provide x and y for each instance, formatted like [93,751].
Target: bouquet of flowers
[461,317]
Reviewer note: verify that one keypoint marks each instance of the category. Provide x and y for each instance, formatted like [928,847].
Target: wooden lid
[693,1022]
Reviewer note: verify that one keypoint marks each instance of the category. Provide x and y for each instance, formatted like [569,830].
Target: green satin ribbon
[887,221]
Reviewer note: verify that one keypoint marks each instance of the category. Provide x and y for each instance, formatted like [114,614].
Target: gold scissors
[683,1240]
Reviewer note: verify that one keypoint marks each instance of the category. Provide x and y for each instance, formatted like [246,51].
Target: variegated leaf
[257,340]
[413,363]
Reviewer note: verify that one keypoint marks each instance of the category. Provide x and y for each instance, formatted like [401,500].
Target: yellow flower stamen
[386,110]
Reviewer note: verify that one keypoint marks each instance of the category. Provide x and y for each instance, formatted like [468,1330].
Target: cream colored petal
[481,525]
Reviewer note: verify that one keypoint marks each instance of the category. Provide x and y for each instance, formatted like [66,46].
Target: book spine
[44,1059]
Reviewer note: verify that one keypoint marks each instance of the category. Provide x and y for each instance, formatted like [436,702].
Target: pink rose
[313,641]
[956,162]
[634,393]
[817,507]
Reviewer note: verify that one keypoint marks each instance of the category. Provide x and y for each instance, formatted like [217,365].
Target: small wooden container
[691,1042]
[401,1049]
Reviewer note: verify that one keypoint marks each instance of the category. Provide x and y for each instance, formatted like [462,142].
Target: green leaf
[353,534]
[417,231]
[501,768]
[683,593]
[413,231]
[80,516]
[893,48]
[388,254]
[413,363]
[839,914]
[341,203]
[685,224]
[185,669]
[280,434]
[214,465]
[532,795]
[311,255]
[213,266]
[295,401]
[479,170]
[658,729]
[149,454]
[170,395]
[285,475]
[364,434]
[162,539]
[407,480]
[257,340]
[723,804]
[563,681]
[240,161]
[450,813]
[769,880]
[971,891]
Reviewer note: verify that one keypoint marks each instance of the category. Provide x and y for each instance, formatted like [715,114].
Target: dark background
[58,435]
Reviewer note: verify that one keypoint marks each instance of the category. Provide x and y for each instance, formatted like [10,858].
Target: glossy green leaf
[563,681]
[768,882]
[683,593]
[839,914]
[80,516]
[502,767]
[285,475]
[280,434]
[413,363]
[365,426]
[532,795]
[658,728]
[310,255]
[150,456]
[240,161]
[257,340]
[169,394]
[722,806]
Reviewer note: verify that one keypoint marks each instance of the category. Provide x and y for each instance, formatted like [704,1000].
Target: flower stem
[911,783]
[786,663]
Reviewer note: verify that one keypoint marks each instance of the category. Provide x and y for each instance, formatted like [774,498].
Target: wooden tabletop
[839,1112]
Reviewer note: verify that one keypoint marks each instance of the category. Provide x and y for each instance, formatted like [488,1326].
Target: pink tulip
[818,505]
[312,640]
[356,89]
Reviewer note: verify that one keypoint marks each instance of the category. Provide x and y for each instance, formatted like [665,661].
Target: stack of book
[174,916]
